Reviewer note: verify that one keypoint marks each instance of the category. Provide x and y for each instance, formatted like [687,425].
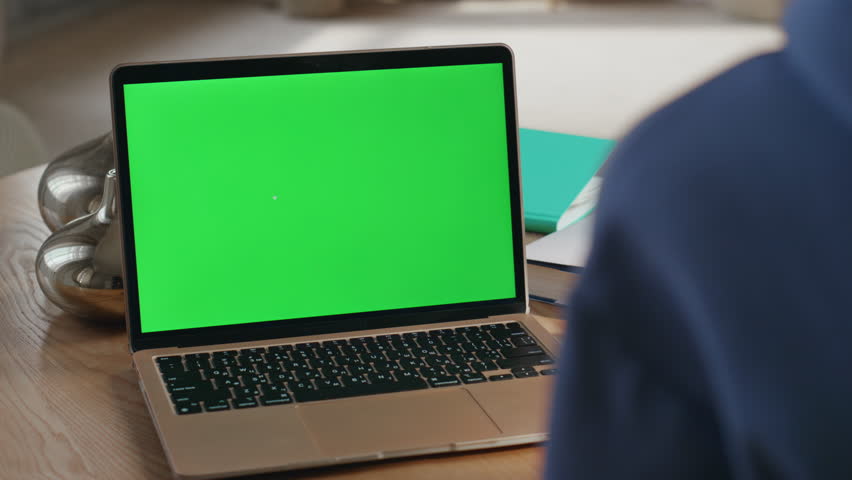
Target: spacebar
[358,390]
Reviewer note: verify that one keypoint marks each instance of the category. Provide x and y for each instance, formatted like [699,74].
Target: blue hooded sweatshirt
[711,334]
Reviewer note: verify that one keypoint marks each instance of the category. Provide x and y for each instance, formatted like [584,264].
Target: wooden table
[69,403]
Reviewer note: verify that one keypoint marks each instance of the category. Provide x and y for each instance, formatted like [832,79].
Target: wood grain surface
[70,407]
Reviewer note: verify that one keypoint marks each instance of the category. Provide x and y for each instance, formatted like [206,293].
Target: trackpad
[403,421]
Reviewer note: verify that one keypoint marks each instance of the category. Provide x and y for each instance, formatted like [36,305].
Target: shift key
[527,361]
[522,351]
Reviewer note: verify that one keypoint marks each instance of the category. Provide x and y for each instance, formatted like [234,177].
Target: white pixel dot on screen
[275,197]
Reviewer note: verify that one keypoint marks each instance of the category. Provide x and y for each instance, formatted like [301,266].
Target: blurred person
[711,334]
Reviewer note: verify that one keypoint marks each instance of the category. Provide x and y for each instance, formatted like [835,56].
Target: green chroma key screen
[293,196]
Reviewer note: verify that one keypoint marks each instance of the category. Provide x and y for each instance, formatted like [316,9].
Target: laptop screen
[295,196]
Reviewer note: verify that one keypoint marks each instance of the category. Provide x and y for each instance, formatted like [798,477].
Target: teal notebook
[555,167]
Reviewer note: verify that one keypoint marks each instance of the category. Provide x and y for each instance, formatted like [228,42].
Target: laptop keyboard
[306,372]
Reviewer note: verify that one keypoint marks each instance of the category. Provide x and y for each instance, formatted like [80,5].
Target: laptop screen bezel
[300,64]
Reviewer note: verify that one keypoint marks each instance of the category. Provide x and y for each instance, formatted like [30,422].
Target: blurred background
[589,68]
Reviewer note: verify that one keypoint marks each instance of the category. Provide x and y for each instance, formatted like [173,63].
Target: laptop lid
[293,195]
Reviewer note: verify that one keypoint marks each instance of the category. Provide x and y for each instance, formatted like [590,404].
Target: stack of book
[560,192]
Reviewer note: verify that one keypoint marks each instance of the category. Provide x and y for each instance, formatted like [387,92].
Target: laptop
[324,260]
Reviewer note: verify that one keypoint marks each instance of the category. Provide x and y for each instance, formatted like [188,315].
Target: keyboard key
[471,347]
[396,354]
[296,365]
[186,396]
[497,378]
[454,339]
[216,405]
[276,399]
[361,340]
[280,377]
[270,389]
[272,367]
[279,348]
[221,383]
[550,371]
[321,362]
[303,355]
[472,377]
[212,373]
[328,383]
[437,361]
[467,329]
[457,369]
[198,364]
[412,363]
[529,361]
[169,360]
[256,379]
[182,376]
[422,352]
[171,367]
[385,377]
[441,332]
[360,368]
[522,341]
[253,351]
[426,342]
[213,395]
[225,354]
[522,351]
[301,386]
[449,349]
[460,358]
[246,391]
[444,381]
[372,357]
[180,387]
[483,366]
[343,360]
[353,349]
[331,372]
[477,336]
[187,408]
[197,356]
[306,374]
[379,347]
[250,359]
[352,380]
[531,373]
[359,390]
[489,355]
[328,353]
[244,402]
[404,375]
[432,371]
[522,369]
[500,344]
[403,344]
[385,366]
[224,362]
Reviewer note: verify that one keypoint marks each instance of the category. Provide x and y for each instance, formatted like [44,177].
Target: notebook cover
[555,167]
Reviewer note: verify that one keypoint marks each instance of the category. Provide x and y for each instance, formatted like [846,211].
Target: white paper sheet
[569,246]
